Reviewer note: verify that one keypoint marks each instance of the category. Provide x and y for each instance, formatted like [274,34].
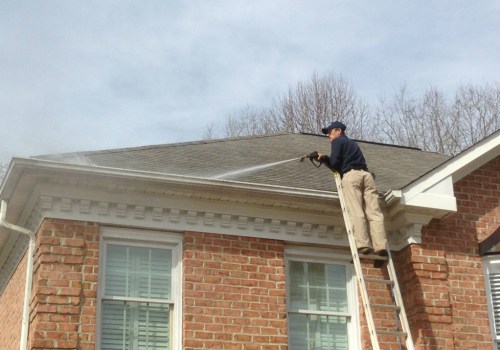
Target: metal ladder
[403,330]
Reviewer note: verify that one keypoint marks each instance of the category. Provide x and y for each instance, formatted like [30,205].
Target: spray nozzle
[313,157]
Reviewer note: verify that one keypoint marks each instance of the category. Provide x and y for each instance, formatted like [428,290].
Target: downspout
[29,273]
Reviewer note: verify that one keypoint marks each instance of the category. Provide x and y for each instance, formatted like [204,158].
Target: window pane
[139,272]
[311,332]
[135,326]
[318,287]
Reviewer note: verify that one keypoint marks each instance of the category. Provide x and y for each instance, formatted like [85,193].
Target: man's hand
[320,157]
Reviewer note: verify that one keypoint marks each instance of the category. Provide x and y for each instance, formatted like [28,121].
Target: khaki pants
[361,197]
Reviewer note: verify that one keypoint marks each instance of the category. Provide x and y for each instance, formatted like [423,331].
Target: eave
[432,195]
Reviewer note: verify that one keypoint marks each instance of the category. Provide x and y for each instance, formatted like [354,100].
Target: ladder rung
[375,280]
[396,333]
[386,306]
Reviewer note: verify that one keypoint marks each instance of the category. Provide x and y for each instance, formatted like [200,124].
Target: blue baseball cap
[334,125]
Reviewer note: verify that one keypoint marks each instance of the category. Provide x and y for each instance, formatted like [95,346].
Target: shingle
[394,166]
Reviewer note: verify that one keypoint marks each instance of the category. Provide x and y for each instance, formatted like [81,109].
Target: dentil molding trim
[181,217]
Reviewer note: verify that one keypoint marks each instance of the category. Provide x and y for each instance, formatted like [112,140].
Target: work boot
[380,263]
[365,250]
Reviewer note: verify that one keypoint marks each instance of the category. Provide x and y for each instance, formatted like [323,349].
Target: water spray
[251,169]
[313,157]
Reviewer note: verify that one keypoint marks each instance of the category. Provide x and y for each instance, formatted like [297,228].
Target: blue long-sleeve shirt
[345,155]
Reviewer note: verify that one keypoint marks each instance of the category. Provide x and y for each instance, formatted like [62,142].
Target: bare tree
[475,113]
[307,107]
[249,121]
[396,120]
[209,132]
[420,123]
[430,122]
[434,124]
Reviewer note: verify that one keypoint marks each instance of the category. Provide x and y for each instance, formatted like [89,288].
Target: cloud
[93,75]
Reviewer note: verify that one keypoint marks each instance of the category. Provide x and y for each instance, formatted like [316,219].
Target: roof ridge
[374,143]
[393,145]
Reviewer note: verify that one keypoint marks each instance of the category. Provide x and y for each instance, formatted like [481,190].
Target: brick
[246,269]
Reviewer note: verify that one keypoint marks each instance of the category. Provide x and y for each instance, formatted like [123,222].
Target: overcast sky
[88,75]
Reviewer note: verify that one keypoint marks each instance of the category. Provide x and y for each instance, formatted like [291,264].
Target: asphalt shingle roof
[269,159]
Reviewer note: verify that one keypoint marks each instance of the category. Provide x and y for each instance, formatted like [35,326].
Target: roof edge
[434,191]
[458,166]
[19,164]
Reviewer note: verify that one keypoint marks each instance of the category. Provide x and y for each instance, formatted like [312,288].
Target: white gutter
[29,272]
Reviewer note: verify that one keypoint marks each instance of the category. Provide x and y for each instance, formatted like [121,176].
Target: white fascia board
[457,167]
[440,196]
[437,200]
[434,190]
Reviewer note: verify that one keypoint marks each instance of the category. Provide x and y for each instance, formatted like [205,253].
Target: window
[139,290]
[492,281]
[322,301]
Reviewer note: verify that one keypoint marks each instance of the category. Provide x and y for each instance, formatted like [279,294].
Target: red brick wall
[65,286]
[442,279]
[478,197]
[234,293]
[11,309]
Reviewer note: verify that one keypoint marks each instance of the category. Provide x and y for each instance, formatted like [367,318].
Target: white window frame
[137,238]
[488,265]
[328,256]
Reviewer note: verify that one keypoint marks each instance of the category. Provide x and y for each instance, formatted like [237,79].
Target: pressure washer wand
[313,157]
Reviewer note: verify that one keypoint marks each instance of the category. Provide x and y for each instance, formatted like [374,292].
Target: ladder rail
[357,265]
[399,301]
[396,293]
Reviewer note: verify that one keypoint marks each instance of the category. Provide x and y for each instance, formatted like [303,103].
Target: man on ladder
[359,190]
[364,221]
